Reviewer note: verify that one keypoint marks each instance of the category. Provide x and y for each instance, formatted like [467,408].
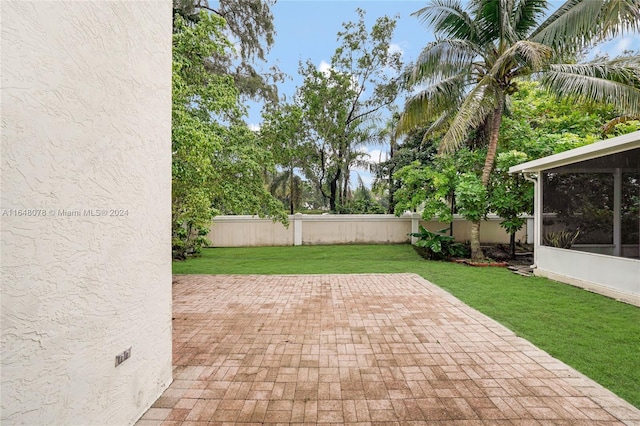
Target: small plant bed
[438,246]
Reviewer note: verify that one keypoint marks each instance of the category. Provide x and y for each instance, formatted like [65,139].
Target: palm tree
[483,49]
[287,187]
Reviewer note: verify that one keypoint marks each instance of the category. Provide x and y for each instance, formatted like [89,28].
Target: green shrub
[437,245]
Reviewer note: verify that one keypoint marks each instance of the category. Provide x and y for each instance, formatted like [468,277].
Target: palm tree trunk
[494,133]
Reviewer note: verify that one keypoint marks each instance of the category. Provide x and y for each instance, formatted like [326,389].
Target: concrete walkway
[360,349]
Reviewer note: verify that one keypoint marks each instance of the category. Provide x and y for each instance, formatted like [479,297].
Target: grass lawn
[594,334]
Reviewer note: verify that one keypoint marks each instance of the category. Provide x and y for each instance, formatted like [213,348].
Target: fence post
[297,229]
[415,221]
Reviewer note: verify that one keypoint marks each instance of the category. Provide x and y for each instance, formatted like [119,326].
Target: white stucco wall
[251,231]
[86,125]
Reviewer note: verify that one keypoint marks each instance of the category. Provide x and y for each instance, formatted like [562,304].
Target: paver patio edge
[607,400]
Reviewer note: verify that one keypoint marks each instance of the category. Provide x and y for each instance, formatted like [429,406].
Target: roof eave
[587,152]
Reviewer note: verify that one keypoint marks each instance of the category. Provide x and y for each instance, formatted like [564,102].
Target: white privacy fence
[248,231]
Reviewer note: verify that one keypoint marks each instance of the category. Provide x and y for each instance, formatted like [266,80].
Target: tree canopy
[342,102]
[217,162]
[537,124]
[250,23]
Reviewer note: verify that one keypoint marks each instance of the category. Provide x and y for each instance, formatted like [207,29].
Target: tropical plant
[250,24]
[447,184]
[437,245]
[287,187]
[361,201]
[283,133]
[401,153]
[560,239]
[483,50]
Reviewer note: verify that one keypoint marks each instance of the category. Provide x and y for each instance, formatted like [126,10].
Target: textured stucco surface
[86,123]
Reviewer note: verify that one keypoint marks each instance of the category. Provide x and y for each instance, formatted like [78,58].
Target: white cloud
[616,46]
[374,155]
[254,127]
[622,45]
[395,48]
[324,67]
[377,156]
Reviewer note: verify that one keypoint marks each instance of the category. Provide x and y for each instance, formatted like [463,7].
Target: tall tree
[250,23]
[283,132]
[413,147]
[216,162]
[483,49]
[341,102]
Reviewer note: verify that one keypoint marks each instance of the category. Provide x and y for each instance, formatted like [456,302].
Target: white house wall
[85,225]
[601,273]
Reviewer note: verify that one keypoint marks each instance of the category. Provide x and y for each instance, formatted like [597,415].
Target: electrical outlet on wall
[120,358]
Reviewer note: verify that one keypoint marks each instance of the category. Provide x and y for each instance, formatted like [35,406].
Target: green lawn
[596,335]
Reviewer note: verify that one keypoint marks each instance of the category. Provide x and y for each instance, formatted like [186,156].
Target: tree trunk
[392,152]
[494,133]
[453,210]
[512,244]
[333,191]
[291,183]
[345,185]
[476,250]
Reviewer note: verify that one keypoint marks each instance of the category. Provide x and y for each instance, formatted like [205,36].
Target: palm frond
[570,20]
[478,104]
[526,15]
[431,102]
[618,17]
[608,82]
[578,24]
[505,15]
[447,18]
[442,59]
[440,124]
[523,57]
[488,18]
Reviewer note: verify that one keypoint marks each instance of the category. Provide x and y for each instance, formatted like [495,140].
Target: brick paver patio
[360,349]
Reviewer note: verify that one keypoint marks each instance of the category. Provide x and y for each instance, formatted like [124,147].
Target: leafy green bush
[437,245]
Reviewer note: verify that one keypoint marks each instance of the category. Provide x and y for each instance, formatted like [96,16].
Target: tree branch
[200,5]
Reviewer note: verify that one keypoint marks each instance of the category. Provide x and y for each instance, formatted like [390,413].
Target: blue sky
[307,30]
